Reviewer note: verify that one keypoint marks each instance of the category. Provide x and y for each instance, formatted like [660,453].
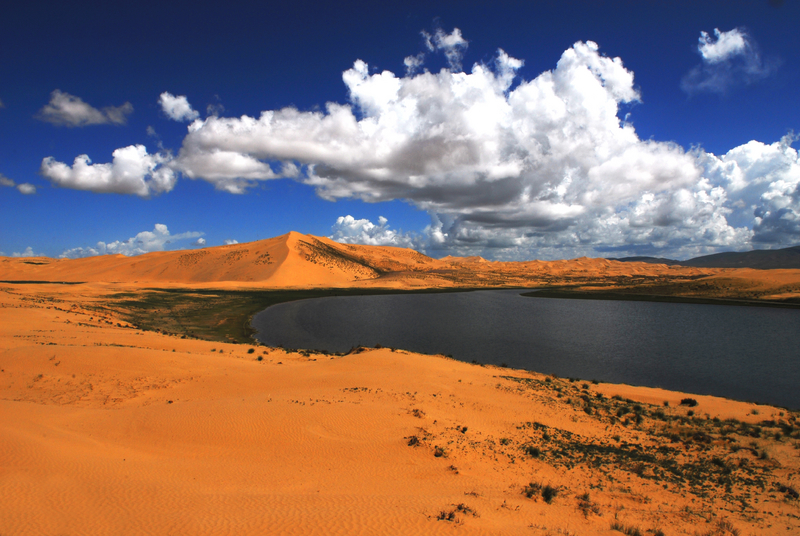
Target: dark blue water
[745,353]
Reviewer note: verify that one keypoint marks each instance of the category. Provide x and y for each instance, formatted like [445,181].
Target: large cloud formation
[510,168]
[132,171]
[144,242]
[536,169]
[71,111]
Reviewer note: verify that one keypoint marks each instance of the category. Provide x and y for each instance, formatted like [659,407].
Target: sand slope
[290,260]
[108,430]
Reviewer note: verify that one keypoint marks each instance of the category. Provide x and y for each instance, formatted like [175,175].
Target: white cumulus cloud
[762,186]
[144,242]
[230,242]
[488,161]
[70,111]
[177,108]
[349,230]
[199,242]
[728,59]
[512,168]
[27,253]
[132,171]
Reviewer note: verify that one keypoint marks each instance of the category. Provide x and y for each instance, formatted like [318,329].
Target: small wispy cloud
[728,59]
[453,45]
[27,253]
[177,107]
[144,242]
[71,111]
[24,188]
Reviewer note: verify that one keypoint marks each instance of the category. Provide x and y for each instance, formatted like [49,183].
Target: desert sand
[106,428]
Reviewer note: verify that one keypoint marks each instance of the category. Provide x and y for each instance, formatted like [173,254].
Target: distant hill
[762,259]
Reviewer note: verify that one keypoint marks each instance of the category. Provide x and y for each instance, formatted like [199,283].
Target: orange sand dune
[296,260]
[289,260]
[302,261]
[107,430]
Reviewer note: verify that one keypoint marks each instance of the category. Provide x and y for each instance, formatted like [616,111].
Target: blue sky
[503,129]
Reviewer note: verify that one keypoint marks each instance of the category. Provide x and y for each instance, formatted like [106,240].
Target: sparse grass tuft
[627,530]
[722,528]
[587,506]
[452,515]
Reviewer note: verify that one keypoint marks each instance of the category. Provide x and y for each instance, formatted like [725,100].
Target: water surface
[745,353]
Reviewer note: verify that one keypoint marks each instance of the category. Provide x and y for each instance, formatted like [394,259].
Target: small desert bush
[628,531]
[547,492]
[790,492]
[530,450]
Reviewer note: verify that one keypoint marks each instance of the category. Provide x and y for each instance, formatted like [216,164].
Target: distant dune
[296,260]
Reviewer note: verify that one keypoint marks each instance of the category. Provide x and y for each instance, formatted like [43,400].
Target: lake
[744,353]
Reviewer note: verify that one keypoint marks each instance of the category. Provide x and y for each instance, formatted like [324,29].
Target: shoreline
[561,293]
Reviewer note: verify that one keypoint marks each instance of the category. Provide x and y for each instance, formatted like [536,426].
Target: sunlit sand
[109,429]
